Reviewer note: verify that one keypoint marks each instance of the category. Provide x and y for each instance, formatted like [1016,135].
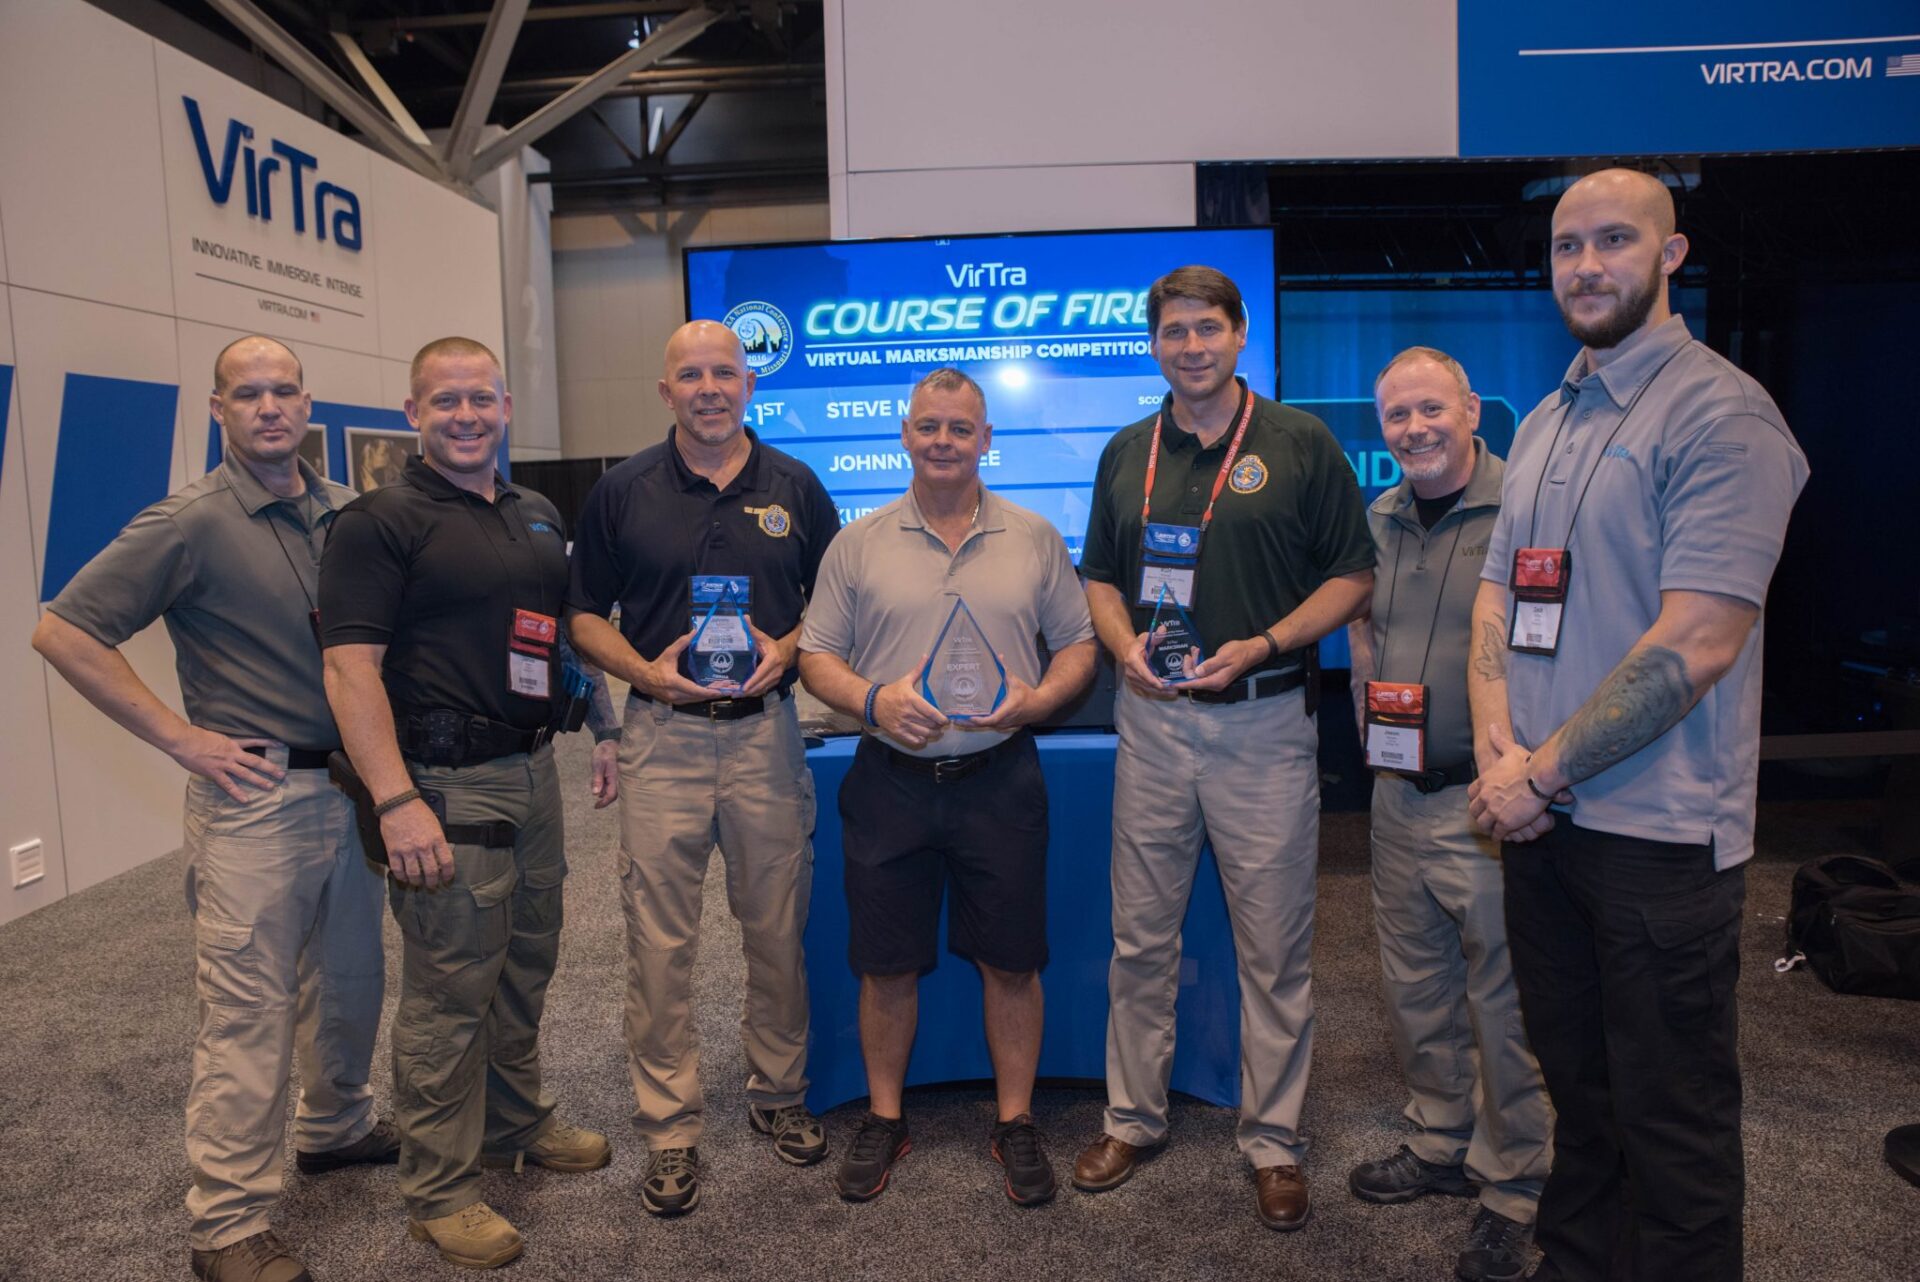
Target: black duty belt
[442,737]
[300,758]
[1441,778]
[732,709]
[951,769]
[1261,685]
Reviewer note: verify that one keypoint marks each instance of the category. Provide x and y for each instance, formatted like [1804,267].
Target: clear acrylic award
[722,655]
[963,677]
[1173,643]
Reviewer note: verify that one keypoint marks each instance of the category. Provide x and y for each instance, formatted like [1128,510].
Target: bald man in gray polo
[286,908]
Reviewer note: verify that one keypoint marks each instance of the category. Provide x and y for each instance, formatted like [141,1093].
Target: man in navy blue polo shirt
[718,763]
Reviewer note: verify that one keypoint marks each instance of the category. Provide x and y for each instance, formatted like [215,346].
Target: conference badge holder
[530,645]
[1173,643]
[1396,721]
[723,655]
[1539,586]
[963,677]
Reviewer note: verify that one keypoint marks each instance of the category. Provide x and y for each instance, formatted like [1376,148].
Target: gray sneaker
[798,1137]
[672,1183]
[1498,1249]
[1404,1176]
[260,1258]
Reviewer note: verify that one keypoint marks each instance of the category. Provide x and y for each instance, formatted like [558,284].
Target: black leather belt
[301,758]
[950,769]
[1441,778]
[442,737]
[1262,685]
[732,709]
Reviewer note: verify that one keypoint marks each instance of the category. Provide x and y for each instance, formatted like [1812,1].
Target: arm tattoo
[1638,702]
[1491,662]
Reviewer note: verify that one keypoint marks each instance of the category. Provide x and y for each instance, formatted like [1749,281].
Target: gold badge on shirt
[773,520]
[1249,475]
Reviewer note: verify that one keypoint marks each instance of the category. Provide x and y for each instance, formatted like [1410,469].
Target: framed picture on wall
[375,457]
[313,448]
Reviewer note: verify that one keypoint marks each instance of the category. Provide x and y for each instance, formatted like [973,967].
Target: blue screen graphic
[1511,343]
[1053,327]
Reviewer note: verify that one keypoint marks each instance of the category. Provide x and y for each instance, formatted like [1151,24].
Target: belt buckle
[942,766]
[716,706]
[541,738]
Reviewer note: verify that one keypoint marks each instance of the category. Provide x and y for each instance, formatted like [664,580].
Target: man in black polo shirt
[439,601]
[705,764]
[1254,526]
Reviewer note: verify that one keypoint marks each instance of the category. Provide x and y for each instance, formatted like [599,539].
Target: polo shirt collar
[429,482]
[1640,358]
[992,517]
[1483,487]
[687,479]
[254,496]
[1177,437]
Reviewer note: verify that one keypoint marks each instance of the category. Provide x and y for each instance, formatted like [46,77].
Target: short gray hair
[1433,354]
[949,379]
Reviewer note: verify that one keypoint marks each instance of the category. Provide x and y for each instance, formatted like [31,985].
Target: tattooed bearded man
[1615,686]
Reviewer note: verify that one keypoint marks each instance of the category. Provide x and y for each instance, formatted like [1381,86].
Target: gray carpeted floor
[97,1017]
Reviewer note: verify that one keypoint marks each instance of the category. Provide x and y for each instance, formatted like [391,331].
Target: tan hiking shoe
[473,1237]
[558,1148]
[260,1258]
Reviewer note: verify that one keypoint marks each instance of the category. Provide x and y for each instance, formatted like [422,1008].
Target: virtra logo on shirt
[334,208]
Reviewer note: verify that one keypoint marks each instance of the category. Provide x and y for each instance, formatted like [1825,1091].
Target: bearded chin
[1625,320]
[1428,467]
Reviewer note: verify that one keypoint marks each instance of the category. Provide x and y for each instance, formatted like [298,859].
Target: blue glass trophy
[722,655]
[1173,643]
[963,677]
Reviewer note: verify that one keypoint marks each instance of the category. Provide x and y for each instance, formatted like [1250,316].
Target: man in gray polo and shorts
[286,909]
[1478,1110]
[947,796]
[1615,683]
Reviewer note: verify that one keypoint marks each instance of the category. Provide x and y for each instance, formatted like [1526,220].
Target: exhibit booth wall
[128,258]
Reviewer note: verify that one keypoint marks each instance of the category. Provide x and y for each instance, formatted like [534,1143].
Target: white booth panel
[29,809]
[80,158]
[438,261]
[951,202]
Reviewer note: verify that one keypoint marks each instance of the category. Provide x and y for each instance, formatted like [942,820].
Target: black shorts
[905,837]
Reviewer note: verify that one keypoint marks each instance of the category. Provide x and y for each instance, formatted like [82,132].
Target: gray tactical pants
[476,961]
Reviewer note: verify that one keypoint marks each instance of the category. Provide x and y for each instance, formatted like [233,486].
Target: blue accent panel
[216,444]
[113,459]
[1710,76]
[6,405]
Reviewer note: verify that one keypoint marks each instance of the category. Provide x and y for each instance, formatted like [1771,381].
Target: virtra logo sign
[333,207]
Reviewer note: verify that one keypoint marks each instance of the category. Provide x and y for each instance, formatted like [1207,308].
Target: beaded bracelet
[873,693]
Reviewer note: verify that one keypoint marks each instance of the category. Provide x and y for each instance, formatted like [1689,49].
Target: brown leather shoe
[1106,1163]
[1281,1194]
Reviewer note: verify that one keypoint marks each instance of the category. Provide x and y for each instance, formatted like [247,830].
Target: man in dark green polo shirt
[1245,514]
[286,910]
[1478,1109]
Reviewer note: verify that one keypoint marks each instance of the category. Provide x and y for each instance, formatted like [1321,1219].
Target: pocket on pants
[226,963]
[1696,938]
[539,908]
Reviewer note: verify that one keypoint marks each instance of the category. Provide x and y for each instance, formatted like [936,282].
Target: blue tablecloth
[951,1045]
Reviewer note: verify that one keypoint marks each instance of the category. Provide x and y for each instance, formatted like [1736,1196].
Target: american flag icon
[1903,64]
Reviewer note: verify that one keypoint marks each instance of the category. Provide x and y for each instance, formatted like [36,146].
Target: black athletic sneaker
[672,1183]
[876,1146]
[1404,1176]
[1017,1147]
[1497,1249]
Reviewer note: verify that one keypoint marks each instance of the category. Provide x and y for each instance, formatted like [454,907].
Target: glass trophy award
[722,655]
[1173,643]
[963,677]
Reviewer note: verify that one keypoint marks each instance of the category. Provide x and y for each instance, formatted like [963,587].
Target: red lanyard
[1219,481]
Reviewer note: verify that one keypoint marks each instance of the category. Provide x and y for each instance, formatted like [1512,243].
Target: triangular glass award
[963,677]
[1173,643]
[722,655]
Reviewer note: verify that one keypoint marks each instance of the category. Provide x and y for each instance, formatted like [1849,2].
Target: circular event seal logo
[765,335]
[722,662]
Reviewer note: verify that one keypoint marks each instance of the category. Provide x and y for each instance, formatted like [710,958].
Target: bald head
[244,351]
[701,335]
[1641,195]
[707,384]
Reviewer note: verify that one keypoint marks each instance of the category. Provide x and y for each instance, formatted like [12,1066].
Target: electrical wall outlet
[29,862]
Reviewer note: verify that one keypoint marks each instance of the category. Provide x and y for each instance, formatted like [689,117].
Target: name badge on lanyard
[1396,720]
[1539,587]
[1170,554]
[530,644]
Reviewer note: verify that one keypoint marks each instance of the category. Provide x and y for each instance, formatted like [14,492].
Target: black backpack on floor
[1857,923]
